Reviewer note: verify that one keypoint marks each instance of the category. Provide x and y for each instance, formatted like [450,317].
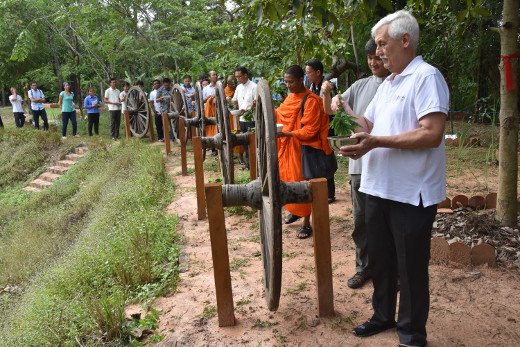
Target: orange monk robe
[314,134]
[209,112]
[229,92]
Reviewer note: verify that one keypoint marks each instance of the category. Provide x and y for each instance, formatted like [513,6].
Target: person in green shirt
[68,111]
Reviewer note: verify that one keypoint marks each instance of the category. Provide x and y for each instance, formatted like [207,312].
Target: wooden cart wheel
[270,215]
[179,109]
[224,128]
[138,111]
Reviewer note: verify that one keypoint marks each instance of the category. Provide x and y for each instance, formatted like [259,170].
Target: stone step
[73,157]
[65,163]
[41,184]
[80,150]
[31,189]
[49,176]
[60,170]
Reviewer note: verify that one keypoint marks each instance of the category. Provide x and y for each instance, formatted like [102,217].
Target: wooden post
[322,249]
[219,252]
[199,177]
[166,130]
[182,135]
[252,156]
[151,133]
[127,124]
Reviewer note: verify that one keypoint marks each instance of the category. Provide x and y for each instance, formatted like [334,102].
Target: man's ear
[405,39]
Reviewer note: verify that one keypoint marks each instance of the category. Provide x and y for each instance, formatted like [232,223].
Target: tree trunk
[506,212]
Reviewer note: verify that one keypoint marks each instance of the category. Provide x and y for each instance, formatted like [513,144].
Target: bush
[82,249]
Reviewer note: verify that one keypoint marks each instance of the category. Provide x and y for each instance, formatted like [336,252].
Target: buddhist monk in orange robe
[309,129]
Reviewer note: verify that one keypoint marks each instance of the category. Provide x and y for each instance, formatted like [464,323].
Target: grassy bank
[76,253]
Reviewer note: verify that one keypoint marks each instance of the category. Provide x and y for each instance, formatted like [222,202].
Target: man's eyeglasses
[309,72]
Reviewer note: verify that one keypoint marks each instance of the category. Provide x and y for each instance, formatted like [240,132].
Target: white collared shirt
[407,175]
[245,94]
[35,94]
[153,97]
[208,91]
[113,96]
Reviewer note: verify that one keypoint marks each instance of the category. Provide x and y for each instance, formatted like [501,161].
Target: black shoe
[291,218]
[214,153]
[358,280]
[404,345]
[368,329]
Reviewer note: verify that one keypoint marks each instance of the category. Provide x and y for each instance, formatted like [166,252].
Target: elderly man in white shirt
[243,98]
[404,177]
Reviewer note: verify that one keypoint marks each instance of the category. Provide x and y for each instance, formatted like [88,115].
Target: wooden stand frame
[166,130]
[126,118]
[151,133]
[182,138]
[252,156]
[219,250]
[199,177]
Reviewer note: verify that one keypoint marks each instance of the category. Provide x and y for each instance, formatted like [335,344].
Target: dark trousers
[65,116]
[1,123]
[244,128]
[115,123]
[399,247]
[159,126]
[36,117]
[19,119]
[331,187]
[359,235]
[93,122]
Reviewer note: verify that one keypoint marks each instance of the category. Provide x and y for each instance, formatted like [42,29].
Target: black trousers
[115,123]
[93,122]
[244,128]
[398,237]
[19,119]
[36,117]
[159,126]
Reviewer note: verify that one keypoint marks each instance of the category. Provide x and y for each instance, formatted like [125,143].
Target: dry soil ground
[470,306]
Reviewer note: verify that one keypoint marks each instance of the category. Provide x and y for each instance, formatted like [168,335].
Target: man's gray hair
[399,23]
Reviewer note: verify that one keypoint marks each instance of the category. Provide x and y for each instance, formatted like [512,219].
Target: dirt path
[469,306]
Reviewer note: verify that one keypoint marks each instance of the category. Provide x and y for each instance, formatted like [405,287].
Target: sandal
[305,232]
[291,218]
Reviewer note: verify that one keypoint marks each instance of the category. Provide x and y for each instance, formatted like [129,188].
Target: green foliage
[23,153]
[84,248]
[343,123]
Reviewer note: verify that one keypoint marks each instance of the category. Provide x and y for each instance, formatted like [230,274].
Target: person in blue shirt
[92,104]
[68,111]
[37,109]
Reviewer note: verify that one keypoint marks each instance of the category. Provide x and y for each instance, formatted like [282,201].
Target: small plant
[298,289]
[343,323]
[343,123]
[279,337]
[243,302]
[238,263]
[208,312]
[263,323]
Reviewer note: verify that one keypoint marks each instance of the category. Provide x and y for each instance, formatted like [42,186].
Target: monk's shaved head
[296,71]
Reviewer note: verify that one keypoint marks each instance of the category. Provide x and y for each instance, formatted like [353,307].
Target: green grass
[84,248]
